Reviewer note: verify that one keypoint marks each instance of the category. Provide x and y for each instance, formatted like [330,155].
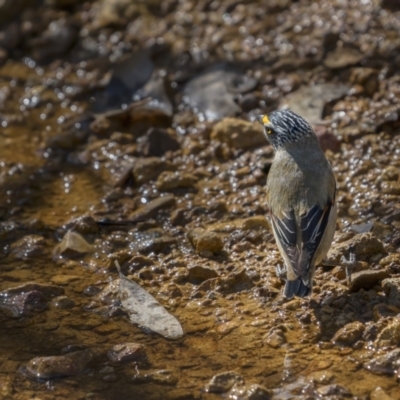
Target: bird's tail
[296,288]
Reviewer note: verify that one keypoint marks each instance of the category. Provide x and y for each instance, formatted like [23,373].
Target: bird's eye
[270,131]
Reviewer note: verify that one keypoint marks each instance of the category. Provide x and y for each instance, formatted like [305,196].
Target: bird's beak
[262,119]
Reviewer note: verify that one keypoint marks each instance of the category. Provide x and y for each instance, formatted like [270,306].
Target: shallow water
[63,168]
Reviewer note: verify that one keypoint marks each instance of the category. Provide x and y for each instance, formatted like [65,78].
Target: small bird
[301,191]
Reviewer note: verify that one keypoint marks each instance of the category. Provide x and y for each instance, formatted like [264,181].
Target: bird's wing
[312,226]
[285,229]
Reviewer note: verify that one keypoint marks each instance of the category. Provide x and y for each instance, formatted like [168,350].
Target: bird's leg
[349,265]
[281,272]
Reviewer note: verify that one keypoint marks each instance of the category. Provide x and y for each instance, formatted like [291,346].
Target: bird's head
[282,127]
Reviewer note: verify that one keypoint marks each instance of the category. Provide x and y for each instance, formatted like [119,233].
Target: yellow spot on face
[265,119]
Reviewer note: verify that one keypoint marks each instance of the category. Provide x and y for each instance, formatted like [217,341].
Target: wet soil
[132,125]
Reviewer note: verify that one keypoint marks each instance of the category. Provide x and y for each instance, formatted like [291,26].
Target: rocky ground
[128,134]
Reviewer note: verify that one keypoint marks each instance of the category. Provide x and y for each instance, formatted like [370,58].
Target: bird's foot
[349,265]
[281,272]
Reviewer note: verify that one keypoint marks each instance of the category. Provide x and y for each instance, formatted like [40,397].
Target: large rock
[238,134]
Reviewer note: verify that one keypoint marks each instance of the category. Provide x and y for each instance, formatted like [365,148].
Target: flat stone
[362,245]
[367,279]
